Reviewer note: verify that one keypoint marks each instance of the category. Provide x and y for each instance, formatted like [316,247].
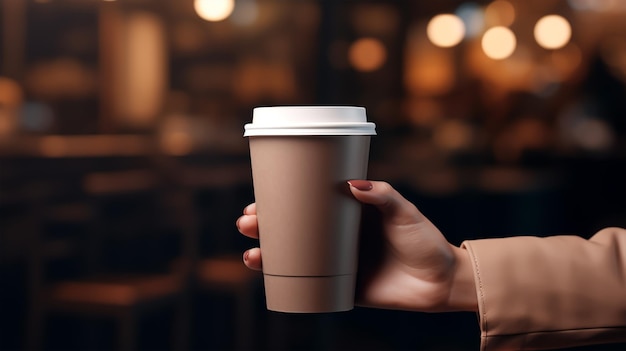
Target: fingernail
[245,256]
[362,185]
[237,222]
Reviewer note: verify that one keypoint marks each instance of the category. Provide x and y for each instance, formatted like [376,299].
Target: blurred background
[123,167]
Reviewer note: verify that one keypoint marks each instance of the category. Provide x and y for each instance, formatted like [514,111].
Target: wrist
[463,287]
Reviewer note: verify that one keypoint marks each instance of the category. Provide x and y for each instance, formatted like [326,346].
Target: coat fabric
[554,292]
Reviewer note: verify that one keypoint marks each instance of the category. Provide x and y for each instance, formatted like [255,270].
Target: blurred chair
[126,264]
[226,274]
[221,269]
[20,200]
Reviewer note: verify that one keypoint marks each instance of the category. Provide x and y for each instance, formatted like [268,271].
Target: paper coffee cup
[302,157]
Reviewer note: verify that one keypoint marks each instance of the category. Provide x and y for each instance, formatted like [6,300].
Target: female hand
[406,263]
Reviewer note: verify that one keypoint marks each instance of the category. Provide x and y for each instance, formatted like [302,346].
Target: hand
[411,267]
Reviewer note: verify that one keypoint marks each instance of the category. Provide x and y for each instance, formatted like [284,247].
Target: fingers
[247,223]
[382,195]
[250,209]
[248,226]
[252,259]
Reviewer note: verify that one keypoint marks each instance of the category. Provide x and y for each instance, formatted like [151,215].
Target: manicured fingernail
[245,256]
[362,185]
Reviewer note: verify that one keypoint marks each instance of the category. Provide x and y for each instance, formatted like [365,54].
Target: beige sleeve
[554,292]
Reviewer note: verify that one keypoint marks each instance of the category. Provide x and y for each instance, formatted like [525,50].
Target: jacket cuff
[555,292]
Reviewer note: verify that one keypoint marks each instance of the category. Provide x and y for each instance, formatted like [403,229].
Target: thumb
[387,199]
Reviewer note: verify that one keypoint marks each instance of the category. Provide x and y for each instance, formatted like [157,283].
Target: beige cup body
[308,220]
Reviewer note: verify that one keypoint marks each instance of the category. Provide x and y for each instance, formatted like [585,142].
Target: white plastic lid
[309,120]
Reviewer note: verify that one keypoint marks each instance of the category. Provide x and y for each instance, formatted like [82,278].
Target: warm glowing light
[445,30]
[177,143]
[552,32]
[429,71]
[10,93]
[141,70]
[214,10]
[453,135]
[499,43]
[177,136]
[500,13]
[367,54]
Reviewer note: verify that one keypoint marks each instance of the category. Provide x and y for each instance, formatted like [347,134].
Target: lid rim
[309,120]
[356,133]
[326,125]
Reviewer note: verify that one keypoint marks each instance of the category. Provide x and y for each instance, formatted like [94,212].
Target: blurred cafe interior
[123,165]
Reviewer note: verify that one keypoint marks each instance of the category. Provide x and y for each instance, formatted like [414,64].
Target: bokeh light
[246,12]
[445,30]
[592,134]
[499,43]
[214,10]
[453,135]
[597,5]
[429,72]
[552,32]
[177,143]
[36,116]
[176,138]
[367,54]
[11,94]
[473,18]
[500,13]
